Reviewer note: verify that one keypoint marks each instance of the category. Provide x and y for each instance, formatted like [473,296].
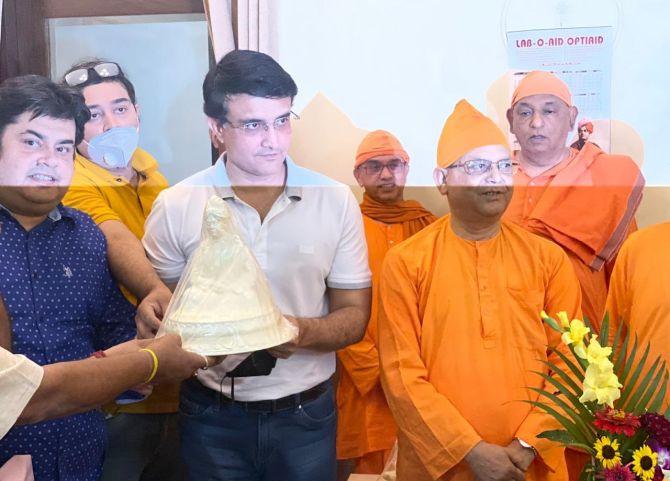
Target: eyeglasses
[104,70]
[482,166]
[256,127]
[372,167]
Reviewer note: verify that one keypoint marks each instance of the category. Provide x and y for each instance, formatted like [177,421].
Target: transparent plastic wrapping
[222,303]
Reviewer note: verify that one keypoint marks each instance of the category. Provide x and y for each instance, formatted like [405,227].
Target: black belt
[271,405]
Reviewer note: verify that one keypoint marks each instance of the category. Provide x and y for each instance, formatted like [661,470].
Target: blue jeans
[143,447]
[225,442]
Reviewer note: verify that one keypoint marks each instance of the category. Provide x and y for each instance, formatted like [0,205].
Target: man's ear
[574,111]
[137,109]
[510,118]
[440,178]
[214,126]
[357,176]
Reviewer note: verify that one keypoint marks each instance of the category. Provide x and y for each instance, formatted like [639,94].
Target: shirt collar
[142,162]
[293,189]
[55,215]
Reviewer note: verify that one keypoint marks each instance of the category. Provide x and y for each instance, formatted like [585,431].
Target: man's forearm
[78,386]
[335,331]
[127,260]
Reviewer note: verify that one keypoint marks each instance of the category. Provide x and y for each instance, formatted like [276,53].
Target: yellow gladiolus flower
[563,317]
[598,355]
[575,336]
[601,386]
[644,462]
[607,452]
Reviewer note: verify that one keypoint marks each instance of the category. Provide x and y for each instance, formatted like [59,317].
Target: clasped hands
[490,462]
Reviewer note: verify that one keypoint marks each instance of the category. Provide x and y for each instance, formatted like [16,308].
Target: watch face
[524,444]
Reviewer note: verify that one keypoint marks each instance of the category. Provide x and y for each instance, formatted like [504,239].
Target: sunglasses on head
[81,75]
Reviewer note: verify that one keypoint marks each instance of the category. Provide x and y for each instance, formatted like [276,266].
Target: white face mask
[114,149]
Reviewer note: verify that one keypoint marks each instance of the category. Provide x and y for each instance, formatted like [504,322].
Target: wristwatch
[524,444]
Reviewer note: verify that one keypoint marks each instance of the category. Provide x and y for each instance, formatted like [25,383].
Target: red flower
[658,474]
[658,427]
[618,473]
[616,422]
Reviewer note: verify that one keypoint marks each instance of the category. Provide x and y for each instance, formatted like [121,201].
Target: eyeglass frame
[265,127]
[490,166]
[402,163]
[85,72]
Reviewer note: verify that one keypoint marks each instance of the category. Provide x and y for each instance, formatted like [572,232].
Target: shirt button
[35,276]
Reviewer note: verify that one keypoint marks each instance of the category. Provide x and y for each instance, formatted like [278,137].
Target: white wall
[402,65]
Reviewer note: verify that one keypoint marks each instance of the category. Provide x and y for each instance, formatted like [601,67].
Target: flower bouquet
[606,399]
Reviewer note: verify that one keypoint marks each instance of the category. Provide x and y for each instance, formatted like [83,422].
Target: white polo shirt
[311,239]
[19,379]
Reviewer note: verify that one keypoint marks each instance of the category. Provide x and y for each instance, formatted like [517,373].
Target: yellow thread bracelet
[154,370]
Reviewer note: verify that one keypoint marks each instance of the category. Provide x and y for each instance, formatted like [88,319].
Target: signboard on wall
[582,57]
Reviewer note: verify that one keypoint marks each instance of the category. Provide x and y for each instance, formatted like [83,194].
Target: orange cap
[587,123]
[539,82]
[379,142]
[466,129]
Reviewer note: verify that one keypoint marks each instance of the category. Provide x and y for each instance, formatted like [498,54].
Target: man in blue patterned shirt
[54,277]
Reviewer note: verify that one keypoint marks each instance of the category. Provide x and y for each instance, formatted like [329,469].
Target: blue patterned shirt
[64,305]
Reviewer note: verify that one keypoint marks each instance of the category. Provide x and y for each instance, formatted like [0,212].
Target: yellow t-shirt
[104,197]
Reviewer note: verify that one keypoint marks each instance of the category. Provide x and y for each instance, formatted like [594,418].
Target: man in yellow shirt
[116,182]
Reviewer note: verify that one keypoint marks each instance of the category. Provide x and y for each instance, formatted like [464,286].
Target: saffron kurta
[639,293]
[365,423]
[459,337]
[586,204]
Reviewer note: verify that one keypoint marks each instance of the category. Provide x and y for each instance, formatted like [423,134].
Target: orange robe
[639,293]
[586,204]
[459,336]
[365,423]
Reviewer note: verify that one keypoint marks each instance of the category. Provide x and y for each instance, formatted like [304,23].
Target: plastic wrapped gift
[222,303]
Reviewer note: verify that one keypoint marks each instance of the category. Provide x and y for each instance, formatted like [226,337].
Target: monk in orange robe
[366,431]
[639,294]
[459,325]
[584,200]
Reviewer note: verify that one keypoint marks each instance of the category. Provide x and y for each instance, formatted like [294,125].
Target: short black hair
[244,72]
[42,98]
[94,78]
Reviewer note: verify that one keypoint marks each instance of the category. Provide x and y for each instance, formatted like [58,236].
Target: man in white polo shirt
[306,232]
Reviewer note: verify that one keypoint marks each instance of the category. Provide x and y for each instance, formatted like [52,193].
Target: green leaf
[588,324]
[576,403]
[565,422]
[553,324]
[558,435]
[630,383]
[577,370]
[585,429]
[574,387]
[588,473]
[636,392]
[604,331]
[638,406]
[632,443]
[660,396]
[629,362]
[619,355]
[617,336]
